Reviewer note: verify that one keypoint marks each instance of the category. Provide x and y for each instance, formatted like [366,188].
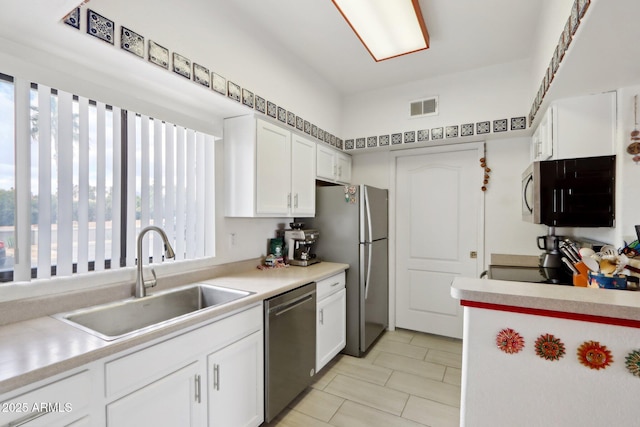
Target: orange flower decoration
[549,347]
[509,341]
[594,355]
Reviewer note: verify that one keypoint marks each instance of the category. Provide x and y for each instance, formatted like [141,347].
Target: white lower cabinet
[62,403]
[235,385]
[172,383]
[331,319]
[210,375]
[174,400]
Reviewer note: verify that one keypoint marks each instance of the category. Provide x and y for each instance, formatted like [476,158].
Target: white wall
[490,93]
[486,94]
[219,39]
[553,17]
[628,213]
[505,231]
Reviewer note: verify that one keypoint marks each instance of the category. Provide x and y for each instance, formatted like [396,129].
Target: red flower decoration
[549,347]
[509,341]
[594,355]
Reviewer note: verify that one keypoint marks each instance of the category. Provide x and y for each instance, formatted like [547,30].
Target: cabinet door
[236,383]
[273,170]
[325,163]
[584,126]
[303,176]
[343,162]
[331,325]
[171,401]
[55,404]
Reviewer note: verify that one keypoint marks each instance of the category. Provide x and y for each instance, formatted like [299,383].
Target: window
[83,178]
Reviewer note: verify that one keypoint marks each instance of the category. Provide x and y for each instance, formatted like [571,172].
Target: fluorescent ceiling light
[387,28]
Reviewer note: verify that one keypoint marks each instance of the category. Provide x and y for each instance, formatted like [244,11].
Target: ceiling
[464,35]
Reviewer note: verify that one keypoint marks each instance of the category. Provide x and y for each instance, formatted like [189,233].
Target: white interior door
[438,201]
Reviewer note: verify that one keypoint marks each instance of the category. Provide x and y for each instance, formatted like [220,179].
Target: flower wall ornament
[509,341]
[594,355]
[549,347]
[632,362]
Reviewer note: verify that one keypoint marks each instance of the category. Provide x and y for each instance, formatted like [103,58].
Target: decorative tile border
[100,27]
[578,10]
[73,18]
[105,29]
[130,41]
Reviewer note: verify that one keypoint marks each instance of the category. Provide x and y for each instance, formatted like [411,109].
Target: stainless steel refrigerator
[353,226]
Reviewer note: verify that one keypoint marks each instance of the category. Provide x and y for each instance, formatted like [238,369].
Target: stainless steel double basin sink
[136,315]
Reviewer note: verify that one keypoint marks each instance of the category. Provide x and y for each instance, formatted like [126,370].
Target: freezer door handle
[367,208]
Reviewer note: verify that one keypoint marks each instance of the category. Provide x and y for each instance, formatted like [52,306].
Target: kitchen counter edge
[617,304]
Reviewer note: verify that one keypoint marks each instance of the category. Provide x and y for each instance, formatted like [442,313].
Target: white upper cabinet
[269,170]
[542,140]
[273,170]
[583,126]
[303,176]
[333,165]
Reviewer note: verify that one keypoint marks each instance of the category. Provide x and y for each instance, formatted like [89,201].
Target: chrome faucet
[141,284]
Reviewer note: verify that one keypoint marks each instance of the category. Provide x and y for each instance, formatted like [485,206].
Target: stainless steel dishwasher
[290,346]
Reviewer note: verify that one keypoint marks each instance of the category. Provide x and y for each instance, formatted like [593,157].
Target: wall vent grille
[424,107]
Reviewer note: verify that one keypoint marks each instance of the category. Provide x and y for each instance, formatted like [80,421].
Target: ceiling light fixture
[387,28]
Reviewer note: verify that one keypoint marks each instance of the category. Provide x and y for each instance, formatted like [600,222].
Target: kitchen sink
[135,315]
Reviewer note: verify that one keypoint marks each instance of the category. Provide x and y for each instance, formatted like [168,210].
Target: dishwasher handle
[290,305]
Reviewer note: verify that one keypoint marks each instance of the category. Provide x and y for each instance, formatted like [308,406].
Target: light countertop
[34,349]
[619,304]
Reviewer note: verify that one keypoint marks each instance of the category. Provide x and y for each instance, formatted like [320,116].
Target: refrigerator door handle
[367,280]
[367,208]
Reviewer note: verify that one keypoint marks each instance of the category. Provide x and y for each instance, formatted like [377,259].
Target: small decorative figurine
[549,347]
[633,362]
[594,355]
[509,341]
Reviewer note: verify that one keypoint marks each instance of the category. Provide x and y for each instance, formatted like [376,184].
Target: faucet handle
[151,283]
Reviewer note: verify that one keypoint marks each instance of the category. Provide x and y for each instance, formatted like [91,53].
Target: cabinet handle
[322,316]
[289,200]
[335,284]
[335,170]
[197,384]
[295,201]
[340,171]
[216,377]
[28,418]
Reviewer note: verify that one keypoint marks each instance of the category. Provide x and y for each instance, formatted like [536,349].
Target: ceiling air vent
[424,107]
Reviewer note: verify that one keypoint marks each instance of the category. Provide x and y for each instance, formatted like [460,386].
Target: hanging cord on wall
[634,147]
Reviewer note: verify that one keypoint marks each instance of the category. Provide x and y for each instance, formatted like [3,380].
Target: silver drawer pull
[197,386]
[216,377]
[28,418]
[335,284]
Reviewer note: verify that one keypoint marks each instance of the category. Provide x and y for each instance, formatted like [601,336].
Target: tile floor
[406,379]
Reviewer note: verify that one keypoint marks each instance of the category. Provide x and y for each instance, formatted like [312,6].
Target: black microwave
[570,192]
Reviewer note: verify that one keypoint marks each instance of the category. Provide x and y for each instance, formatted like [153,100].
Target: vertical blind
[89,175]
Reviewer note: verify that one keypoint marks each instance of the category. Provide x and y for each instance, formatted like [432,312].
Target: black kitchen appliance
[525,274]
[576,192]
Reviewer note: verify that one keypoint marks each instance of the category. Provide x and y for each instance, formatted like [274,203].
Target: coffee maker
[550,244]
[551,259]
[299,245]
